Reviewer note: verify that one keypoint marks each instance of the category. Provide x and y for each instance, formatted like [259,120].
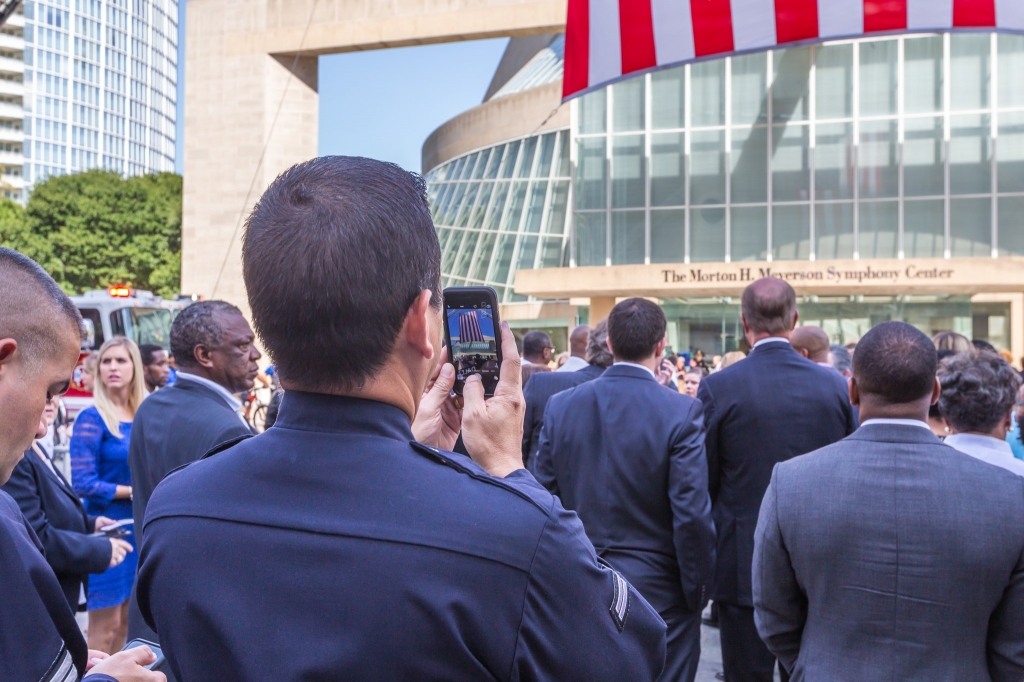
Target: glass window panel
[562,159]
[467,171]
[526,160]
[707,168]
[791,169]
[547,148]
[970,154]
[465,258]
[535,212]
[924,229]
[628,171]
[448,260]
[442,203]
[627,237]
[468,202]
[833,231]
[878,78]
[628,105]
[923,75]
[483,256]
[833,161]
[790,87]
[970,228]
[591,183]
[527,252]
[592,112]
[459,165]
[516,202]
[748,233]
[443,234]
[668,98]
[503,259]
[879,172]
[557,209]
[833,66]
[495,162]
[591,238]
[668,183]
[476,219]
[969,57]
[877,229]
[707,234]
[453,207]
[1011,152]
[749,162]
[668,236]
[1011,226]
[551,255]
[707,85]
[923,158]
[1011,61]
[481,164]
[791,232]
[508,165]
[449,170]
[497,208]
[750,88]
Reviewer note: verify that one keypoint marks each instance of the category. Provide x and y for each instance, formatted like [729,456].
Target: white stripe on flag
[753,23]
[673,30]
[605,41]
[929,14]
[1010,15]
[840,18]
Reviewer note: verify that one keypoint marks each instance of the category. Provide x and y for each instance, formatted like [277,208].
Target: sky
[384,103]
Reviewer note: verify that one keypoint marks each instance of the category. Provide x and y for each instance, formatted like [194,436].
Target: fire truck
[119,311]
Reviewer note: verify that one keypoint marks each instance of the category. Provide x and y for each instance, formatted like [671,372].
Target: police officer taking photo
[348,542]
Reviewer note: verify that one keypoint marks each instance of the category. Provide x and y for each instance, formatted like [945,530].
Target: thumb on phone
[142,655]
[473,393]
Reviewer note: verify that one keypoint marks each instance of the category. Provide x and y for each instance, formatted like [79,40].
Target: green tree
[94,229]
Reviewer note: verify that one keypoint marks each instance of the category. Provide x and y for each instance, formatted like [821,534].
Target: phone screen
[473,345]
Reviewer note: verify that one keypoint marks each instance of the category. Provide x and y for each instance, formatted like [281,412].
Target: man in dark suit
[180,423]
[628,457]
[771,407]
[545,384]
[890,554]
[40,336]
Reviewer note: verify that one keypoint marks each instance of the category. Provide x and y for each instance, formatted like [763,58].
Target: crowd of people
[574,526]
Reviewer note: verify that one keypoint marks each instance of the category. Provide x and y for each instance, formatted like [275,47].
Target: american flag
[469,327]
[608,39]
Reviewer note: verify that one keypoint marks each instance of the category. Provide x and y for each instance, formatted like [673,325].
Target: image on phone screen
[473,344]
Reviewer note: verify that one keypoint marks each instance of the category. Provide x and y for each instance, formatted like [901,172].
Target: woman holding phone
[99,464]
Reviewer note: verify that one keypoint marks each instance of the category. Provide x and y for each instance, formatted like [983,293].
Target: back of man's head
[578,340]
[811,342]
[535,343]
[334,254]
[148,352]
[635,327]
[840,358]
[597,346]
[769,306]
[200,324]
[895,363]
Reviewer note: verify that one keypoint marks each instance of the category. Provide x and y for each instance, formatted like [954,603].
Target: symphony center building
[882,177]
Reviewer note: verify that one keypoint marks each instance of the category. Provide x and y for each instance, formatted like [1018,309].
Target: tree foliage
[90,230]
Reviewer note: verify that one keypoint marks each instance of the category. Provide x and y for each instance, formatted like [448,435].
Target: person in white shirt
[578,340]
[979,390]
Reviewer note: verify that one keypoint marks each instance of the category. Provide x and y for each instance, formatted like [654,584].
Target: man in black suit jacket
[543,385]
[628,457]
[769,408]
[213,346]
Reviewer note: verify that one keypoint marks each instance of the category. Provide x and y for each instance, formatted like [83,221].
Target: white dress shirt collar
[987,449]
[896,422]
[633,364]
[572,364]
[771,339]
[232,401]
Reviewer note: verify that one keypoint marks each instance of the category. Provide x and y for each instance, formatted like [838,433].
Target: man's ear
[936,391]
[796,318]
[202,355]
[804,352]
[417,330]
[7,349]
[854,393]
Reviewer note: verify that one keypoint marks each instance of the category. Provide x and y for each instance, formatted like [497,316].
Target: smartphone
[471,335]
[116,530]
[155,665]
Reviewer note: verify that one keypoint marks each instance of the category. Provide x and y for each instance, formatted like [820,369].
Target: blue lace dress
[99,463]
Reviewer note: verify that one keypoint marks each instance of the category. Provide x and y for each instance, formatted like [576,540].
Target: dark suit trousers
[745,658]
[683,645]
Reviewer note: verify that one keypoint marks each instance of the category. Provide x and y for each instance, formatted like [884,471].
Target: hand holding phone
[470,324]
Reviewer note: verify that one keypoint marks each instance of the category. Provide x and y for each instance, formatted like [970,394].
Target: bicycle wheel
[259,418]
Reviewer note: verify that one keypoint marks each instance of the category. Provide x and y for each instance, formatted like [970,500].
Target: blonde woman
[100,476]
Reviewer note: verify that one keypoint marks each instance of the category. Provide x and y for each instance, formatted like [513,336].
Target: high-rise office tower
[12,68]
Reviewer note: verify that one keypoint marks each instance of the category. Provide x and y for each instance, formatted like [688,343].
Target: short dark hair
[334,254]
[979,389]
[535,342]
[769,306]
[147,351]
[635,326]
[983,345]
[28,293]
[895,362]
[197,325]
[597,346]
[842,361]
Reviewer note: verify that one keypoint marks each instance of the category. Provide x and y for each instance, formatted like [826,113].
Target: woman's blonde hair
[952,341]
[136,390]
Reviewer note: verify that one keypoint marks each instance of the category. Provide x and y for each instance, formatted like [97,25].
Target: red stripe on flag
[885,15]
[577,48]
[712,27]
[796,20]
[636,28]
[967,13]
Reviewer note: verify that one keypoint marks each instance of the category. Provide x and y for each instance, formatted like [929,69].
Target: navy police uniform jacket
[39,638]
[334,547]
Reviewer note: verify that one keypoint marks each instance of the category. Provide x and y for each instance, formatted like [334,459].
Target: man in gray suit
[889,555]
